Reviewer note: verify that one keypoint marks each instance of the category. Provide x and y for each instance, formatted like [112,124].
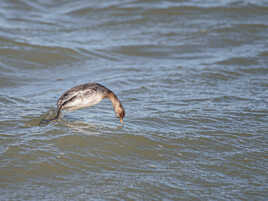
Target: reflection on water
[191,75]
[88,129]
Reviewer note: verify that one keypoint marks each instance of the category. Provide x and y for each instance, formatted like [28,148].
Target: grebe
[86,95]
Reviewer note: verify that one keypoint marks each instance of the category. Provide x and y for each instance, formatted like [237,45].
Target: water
[192,76]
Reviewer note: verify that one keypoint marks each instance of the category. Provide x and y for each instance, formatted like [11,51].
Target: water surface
[192,76]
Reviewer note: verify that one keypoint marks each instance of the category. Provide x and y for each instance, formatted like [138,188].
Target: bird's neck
[118,107]
[115,101]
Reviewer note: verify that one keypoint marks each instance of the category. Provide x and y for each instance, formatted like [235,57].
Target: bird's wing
[67,96]
[76,92]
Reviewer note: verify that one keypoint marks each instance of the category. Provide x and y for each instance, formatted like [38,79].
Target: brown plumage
[86,95]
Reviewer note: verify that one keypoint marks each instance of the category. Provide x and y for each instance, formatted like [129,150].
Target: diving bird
[86,95]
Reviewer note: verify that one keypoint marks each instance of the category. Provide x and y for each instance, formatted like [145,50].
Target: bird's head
[121,113]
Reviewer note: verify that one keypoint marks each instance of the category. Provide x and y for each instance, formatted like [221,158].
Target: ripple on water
[192,77]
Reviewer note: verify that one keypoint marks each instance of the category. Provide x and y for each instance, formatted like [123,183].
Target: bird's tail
[46,121]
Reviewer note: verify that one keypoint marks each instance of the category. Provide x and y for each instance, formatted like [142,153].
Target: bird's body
[87,95]
[82,96]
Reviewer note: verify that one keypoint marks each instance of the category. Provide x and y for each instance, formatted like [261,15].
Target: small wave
[241,61]
[36,54]
[229,99]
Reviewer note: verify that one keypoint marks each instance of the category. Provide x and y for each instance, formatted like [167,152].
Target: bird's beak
[121,120]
